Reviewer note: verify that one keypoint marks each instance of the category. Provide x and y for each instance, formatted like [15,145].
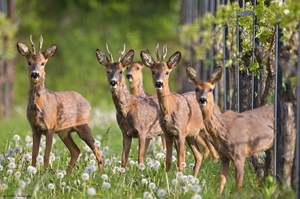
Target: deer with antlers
[180,116]
[51,112]
[236,135]
[137,116]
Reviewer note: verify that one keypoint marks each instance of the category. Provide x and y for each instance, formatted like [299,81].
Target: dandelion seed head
[147,195]
[122,170]
[16,137]
[17,174]
[104,177]
[91,191]
[106,185]
[141,166]
[161,193]
[12,165]
[144,181]
[9,171]
[148,159]
[97,143]
[40,159]
[28,139]
[22,184]
[196,188]
[156,164]
[196,196]
[18,150]
[3,186]
[152,186]
[1,167]
[51,186]
[85,176]
[27,157]
[31,170]
[89,169]
[175,181]
[62,184]
[60,175]
[107,162]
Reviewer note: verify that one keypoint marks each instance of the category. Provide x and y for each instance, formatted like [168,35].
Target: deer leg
[202,142]
[74,150]
[224,171]
[142,147]
[169,148]
[197,155]
[36,139]
[163,141]
[126,148]
[147,146]
[85,134]
[181,154]
[239,169]
[49,140]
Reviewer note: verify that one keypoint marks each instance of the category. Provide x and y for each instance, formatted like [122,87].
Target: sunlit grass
[18,178]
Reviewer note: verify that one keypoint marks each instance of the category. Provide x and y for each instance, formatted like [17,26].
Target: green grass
[125,185]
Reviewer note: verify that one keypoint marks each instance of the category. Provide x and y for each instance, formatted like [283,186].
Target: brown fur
[137,116]
[55,112]
[236,135]
[180,118]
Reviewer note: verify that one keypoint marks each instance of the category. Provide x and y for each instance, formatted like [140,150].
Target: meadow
[18,179]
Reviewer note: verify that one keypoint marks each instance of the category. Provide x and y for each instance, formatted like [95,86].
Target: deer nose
[113,83]
[35,75]
[159,84]
[203,101]
[129,76]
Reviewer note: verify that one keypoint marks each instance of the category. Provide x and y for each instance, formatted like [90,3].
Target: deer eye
[210,90]
[153,73]
[43,63]
[137,68]
[197,89]
[28,63]
[167,73]
[121,72]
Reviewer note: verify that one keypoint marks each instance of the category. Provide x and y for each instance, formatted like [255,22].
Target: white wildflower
[12,165]
[161,193]
[191,179]
[16,137]
[51,186]
[85,176]
[148,159]
[31,170]
[144,181]
[89,169]
[131,162]
[18,150]
[107,162]
[28,139]
[17,174]
[52,158]
[175,181]
[106,185]
[27,157]
[91,191]
[196,188]
[104,177]
[179,175]
[152,185]
[22,184]
[196,196]
[160,155]
[40,159]
[156,164]
[147,195]
[286,11]
[122,170]
[60,175]
[141,166]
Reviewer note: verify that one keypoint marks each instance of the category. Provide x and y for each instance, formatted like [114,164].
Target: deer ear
[216,75]
[127,59]
[191,74]
[174,59]
[102,59]
[50,51]
[147,59]
[23,49]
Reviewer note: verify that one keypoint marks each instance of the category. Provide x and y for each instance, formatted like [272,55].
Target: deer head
[204,90]
[134,71]
[36,60]
[114,69]
[160,69]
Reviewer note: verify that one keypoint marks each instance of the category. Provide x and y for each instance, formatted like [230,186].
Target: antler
[157,52]
[110,55]
[122,53]
[164,53]
[32,44]
[41,43]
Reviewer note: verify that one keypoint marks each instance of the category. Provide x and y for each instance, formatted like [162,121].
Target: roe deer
[235,135]
[54,112]
[137,116]
[180,116]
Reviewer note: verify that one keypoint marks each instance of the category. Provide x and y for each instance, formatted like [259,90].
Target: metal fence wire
[227,99]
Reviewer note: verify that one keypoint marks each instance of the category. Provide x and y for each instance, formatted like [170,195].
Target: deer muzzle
[129,77]
[35,75]
[113,83]
[159,85]
[202,101]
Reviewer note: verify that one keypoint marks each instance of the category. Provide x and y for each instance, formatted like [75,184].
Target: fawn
[137,116]
[51,112]
[236,135]
[180,116]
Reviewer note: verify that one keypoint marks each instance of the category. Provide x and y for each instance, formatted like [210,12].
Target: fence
[228,99]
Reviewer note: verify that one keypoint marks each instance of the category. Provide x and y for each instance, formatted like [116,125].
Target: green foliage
[7,34]
[203,37]
[80,27]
